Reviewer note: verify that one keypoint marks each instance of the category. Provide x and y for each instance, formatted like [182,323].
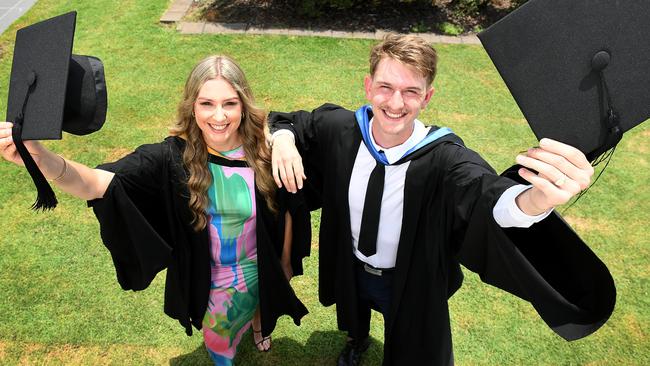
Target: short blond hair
[408,49]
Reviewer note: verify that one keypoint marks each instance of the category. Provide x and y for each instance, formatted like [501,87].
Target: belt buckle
[374,271]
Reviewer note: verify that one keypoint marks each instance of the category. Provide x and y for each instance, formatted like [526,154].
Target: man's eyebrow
[410,88]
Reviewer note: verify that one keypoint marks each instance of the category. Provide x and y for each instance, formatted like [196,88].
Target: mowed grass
[60,303]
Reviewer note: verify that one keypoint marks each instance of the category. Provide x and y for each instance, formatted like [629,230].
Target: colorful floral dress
[234,286]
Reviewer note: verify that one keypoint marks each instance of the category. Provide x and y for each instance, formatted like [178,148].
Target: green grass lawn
[60,302]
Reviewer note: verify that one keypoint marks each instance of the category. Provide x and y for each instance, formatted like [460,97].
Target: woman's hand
[563,172]
[8,147]
[287,163]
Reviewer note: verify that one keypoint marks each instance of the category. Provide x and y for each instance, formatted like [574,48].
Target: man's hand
[563,171]
[287,163]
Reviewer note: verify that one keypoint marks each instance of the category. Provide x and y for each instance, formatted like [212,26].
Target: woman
[202,204]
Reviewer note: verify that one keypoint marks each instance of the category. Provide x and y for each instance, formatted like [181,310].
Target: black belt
[372,269]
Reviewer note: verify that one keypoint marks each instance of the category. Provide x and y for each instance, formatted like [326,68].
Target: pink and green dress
[212,274]
[233,251]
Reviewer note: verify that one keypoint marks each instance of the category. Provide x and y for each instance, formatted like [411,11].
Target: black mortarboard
[578,69]
[51,90]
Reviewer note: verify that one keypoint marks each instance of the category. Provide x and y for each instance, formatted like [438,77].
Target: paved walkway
[10,10]
[179,8]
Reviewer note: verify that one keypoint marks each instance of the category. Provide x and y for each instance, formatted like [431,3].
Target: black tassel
[46,199]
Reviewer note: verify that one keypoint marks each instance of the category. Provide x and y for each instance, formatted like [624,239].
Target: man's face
[397,93]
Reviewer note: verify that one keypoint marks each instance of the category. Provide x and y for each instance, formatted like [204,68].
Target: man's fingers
[570,153]
[554,194]
[544,169]
[582,177]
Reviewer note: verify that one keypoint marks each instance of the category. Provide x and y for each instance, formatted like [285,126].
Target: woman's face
[218,113]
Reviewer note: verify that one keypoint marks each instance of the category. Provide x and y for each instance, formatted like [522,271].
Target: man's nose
[396,101]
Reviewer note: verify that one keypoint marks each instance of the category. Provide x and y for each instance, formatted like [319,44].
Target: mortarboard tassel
[46,199]
[611,122]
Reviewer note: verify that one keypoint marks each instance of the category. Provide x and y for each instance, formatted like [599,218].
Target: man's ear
[367,83]
[427,97]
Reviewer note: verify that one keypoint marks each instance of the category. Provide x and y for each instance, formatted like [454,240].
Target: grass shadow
[197,357]
[321,348]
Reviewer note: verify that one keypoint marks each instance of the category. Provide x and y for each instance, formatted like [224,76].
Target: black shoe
[351,354]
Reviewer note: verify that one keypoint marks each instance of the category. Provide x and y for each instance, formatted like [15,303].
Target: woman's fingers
[287,164]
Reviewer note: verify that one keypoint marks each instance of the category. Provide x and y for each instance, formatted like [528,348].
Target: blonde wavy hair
[251,130]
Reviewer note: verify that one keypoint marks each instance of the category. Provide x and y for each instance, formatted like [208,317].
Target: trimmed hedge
[455,8]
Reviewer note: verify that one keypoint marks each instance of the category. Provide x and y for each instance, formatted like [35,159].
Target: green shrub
[461,15]
[474,7]
[450,29]
[420,27]
[315,8]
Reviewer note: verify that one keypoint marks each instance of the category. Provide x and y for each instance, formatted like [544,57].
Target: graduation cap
[578,69]
[51,90]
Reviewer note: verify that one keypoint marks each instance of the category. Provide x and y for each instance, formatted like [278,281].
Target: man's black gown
[145,222]
[449,195]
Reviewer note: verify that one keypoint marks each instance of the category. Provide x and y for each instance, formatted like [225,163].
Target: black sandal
[257,344]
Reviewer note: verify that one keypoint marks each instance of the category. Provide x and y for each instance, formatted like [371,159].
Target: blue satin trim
[364,124]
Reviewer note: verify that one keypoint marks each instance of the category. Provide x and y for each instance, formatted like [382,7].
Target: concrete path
[10,10]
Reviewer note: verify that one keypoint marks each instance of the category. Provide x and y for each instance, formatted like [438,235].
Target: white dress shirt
[506,212]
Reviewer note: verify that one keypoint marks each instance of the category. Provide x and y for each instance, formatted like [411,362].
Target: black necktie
[371,208]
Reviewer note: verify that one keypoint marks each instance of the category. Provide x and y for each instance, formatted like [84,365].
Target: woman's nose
[220,114]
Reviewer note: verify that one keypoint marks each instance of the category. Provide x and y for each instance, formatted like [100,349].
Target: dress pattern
[233,256]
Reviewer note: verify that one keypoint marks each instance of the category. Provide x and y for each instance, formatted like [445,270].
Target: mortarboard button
[600,61]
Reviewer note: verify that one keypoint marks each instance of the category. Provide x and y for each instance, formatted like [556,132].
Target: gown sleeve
[547,264]
[313,133]
[131,216]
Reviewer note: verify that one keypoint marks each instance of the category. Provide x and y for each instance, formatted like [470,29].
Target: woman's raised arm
[71,177]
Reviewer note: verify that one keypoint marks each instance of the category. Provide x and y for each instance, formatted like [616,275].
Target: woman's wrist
[64,170]
[53,166]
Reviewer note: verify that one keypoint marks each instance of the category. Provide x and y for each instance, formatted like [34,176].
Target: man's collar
[395,153]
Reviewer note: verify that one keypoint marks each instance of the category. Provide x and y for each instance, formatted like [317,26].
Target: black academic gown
[448,199]
[145,223]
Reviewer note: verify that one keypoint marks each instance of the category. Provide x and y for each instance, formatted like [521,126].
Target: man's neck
[388,141]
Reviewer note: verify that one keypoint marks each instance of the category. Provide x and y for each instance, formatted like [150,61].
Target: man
[403,204]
